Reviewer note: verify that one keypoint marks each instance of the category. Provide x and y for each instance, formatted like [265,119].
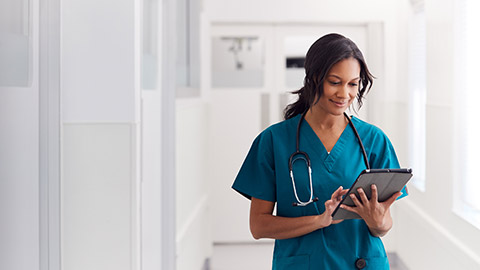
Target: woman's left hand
[376,214]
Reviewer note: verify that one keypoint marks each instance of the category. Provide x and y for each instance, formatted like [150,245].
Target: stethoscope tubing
[304,156]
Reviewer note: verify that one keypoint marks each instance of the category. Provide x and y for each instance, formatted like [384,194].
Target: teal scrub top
[265,175]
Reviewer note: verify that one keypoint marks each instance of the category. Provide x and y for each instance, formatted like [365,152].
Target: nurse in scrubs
[305,235]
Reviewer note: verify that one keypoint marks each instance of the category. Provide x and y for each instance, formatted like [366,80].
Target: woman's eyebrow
[340,78]
[333,75]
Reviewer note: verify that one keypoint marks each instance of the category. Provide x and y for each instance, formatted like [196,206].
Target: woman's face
[340,87]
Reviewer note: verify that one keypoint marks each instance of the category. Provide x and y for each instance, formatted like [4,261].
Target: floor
[259,257]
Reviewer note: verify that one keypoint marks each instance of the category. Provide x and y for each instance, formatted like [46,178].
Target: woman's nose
[343,91]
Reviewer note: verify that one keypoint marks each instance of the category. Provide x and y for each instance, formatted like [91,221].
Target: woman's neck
[319,119]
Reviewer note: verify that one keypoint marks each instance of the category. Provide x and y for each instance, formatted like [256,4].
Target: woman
[306,235]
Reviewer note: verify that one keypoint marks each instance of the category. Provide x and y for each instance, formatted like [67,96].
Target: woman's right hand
[331,205]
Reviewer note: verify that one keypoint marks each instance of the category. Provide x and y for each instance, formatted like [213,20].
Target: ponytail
[298,107]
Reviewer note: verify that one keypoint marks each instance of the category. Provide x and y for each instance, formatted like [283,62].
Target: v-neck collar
[312,143]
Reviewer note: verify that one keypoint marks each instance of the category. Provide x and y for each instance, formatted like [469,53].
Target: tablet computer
[388,182]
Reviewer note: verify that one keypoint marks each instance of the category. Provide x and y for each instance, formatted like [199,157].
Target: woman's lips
[339,103]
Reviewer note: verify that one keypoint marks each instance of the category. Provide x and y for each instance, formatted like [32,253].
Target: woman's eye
[354,84]
[334,83]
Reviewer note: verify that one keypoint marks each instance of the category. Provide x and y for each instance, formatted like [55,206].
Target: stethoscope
[304,156]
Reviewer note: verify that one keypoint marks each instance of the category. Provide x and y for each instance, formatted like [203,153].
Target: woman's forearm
[263,224]
[270,226]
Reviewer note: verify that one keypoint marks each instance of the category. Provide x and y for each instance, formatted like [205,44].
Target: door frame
[168,90]
[49,135]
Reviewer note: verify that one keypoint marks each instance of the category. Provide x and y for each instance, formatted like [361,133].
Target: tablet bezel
[405,173]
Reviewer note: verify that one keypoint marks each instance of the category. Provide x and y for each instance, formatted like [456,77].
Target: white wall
[151,220]
[100,86]
[193,201]
[99,197]
[93,49]
[98,61]
[433,236]
[19,186]
[192,197]
[152,136]
[19,143]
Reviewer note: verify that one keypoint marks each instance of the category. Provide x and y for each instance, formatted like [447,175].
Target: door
[251,83]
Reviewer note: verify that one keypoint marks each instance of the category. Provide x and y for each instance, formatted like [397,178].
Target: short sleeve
[256,177]
[384,156]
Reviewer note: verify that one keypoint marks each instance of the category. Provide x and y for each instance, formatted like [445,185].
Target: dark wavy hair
[322,55]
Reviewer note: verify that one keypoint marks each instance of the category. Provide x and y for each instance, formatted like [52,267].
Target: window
[467,96]
[15,43]
[188,50]
[417,86]
[150,46]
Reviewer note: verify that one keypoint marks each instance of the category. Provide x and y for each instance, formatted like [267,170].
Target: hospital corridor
[228,135]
